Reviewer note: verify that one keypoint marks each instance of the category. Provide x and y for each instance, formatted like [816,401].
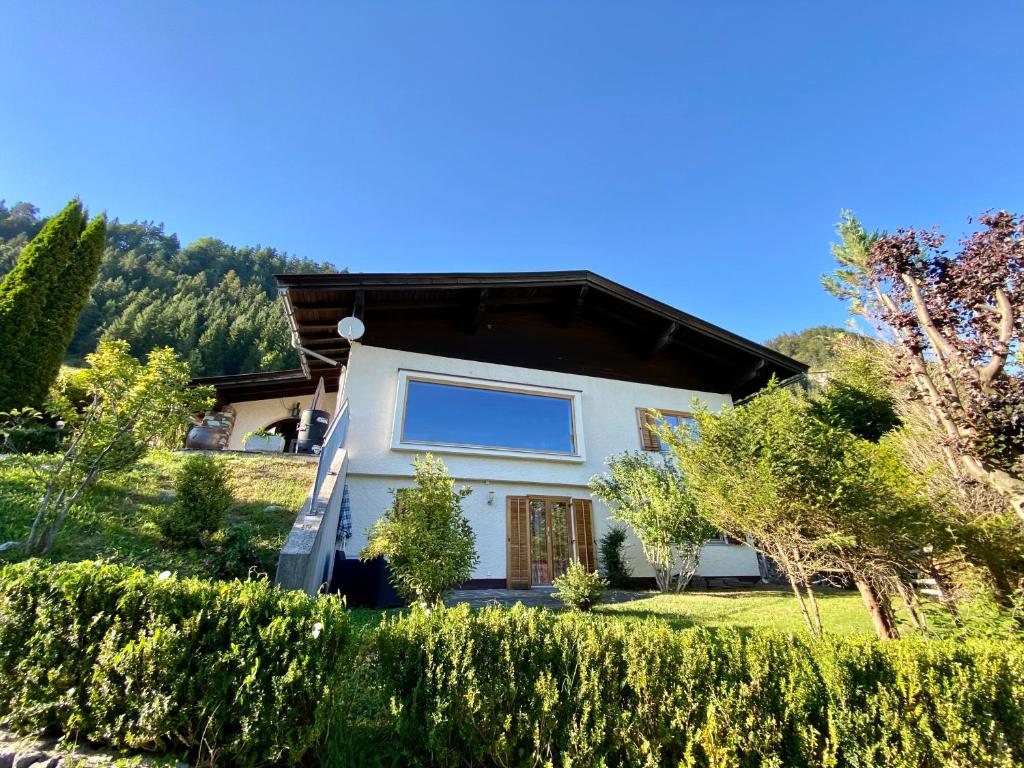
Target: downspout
[317,355]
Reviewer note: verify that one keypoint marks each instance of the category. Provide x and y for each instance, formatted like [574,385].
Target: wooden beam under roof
[571,307]
[325,346]
[660,342]
[475,311]
[747,375]
[677,338]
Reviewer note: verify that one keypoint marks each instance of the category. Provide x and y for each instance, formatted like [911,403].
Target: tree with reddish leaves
[956,321]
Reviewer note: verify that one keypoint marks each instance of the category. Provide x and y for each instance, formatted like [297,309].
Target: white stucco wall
[609,425]
[255,414]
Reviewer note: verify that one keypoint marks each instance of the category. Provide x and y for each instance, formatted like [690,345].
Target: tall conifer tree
[39,298]
[66,302]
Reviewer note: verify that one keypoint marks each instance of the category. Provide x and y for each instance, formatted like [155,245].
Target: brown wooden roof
[263,385]
[573,322]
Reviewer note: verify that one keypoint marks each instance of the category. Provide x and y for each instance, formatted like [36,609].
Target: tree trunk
[1002,482]
[809,589]
[907,595]
[803,605]
[35,533]
[50,538]
[689,562]
[815,613]
[662,574]
[881,617]
[789,569]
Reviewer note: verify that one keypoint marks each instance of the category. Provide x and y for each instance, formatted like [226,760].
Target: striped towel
[345,523]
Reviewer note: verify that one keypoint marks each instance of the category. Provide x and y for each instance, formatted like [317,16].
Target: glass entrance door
[550,543]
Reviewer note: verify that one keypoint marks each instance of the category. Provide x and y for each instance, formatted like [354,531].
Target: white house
[267,400]
[524,383]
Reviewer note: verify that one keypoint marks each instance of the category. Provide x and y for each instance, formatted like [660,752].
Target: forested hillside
[216,304]
[814,346]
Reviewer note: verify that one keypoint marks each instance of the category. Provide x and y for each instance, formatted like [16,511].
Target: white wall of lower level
[608,413]
[370,496]
[256,414]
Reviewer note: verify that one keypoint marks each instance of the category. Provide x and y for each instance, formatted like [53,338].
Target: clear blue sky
[699,152]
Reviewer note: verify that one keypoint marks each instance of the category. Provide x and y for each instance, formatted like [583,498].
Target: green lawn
[748,609]
[116,521]
[744,609]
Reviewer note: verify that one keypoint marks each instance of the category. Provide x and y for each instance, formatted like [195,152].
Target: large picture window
[485,416]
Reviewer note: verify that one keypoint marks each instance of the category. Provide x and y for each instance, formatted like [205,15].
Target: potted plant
[262,441]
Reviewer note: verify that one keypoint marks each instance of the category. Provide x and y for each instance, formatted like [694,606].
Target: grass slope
[116,521]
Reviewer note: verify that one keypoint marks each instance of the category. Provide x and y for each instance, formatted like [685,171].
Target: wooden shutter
[586,547]
[649,439]
[518,554]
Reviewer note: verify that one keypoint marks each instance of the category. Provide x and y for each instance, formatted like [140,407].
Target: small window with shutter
[677,420]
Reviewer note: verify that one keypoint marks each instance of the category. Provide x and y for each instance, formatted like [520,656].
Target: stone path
[541,597]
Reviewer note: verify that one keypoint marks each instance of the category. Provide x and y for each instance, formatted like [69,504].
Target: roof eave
[454,280]
[256,377]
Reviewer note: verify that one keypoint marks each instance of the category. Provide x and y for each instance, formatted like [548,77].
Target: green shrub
[579,588]
[649,494]
[613,559]
[425,537]
[36,438]
[523,687]
[201,500]
[239,673]
[233,553]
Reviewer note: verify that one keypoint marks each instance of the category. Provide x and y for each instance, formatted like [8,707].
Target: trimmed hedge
[233,672]
[523,687]
[237,672]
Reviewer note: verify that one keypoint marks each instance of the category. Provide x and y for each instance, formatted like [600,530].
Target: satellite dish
[351,328]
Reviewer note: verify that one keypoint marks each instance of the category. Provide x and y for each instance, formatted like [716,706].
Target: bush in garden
[425,537]
[648,494]
[201,500]
[233,553]
[238,673]
[613,558]
[34,436]
[579,588]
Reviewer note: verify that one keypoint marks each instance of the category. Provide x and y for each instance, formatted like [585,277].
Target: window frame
[573,396]
[641,415]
